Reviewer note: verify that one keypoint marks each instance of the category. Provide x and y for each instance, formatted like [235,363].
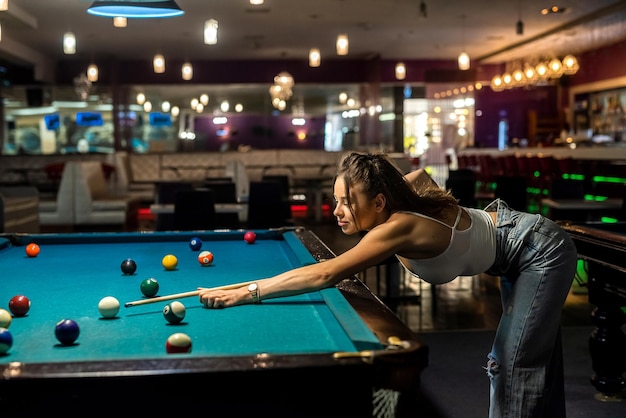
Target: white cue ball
[109,307]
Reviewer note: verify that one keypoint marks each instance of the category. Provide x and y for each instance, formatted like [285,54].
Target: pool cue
[184,294]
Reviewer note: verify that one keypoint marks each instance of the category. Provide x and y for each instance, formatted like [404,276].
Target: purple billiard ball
[67,331]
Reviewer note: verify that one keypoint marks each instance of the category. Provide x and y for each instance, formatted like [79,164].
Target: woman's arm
[376,246]
[419,178]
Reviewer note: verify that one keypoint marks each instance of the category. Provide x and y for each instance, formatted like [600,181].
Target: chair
[462,185]
[266,206]
[512,189]
[194,210]
[224,192]
[165,193]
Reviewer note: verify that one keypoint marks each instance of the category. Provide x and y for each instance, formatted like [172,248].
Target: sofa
[96,203]
[19,209]
[57,211]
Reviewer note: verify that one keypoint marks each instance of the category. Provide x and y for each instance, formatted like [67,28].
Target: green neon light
[605,179]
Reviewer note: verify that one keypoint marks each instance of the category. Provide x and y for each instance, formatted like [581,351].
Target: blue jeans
[536,262]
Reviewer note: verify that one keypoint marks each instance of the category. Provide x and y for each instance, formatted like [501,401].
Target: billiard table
[323,353]
[602,248]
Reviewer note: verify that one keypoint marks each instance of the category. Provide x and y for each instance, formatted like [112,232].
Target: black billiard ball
[129,266]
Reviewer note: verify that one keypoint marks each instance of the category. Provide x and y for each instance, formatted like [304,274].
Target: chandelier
[524,74]
[281,90]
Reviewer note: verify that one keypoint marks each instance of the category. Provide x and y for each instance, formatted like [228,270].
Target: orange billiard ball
[32,250]
[205,258]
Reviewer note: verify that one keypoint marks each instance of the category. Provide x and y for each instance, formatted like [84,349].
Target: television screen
[53,122]
[89,119]
[160,119]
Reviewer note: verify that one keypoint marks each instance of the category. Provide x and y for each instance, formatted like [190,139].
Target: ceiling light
[69,43]
[4,5]
[315,57]
[342,44]
[464,61]
[159,64]
[210,32]
[400,71]
[120,22]
[187,71]
[135,9]
[92,73]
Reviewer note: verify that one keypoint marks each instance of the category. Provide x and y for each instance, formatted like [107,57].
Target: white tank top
[471,251]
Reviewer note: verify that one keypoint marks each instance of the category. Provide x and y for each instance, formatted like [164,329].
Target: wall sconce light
[4,5]
[147,107]
[464,61]
[69,43]
[120,22]
[175,111]
[141,98]
[400,71]
[210,32]
[159,64]
[135,8]
[315,57]
[342,44]
[204,99]
[187,71]
[343,97]
[92,73]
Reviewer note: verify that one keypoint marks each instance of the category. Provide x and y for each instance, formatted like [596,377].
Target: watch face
[252,287]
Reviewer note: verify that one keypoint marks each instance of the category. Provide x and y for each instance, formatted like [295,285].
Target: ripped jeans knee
[493,367]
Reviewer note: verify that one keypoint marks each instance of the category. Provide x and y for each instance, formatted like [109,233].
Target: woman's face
[363,208]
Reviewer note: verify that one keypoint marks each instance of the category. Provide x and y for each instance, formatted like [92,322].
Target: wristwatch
[253,288]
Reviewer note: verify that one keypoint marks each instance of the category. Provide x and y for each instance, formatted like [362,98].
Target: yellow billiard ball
[169,262]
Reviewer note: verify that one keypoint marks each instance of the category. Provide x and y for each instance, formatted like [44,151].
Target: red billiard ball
[249,237]
[19,305]
[205,258]
[66,331]
[178,343]
[32,250]
[129,266]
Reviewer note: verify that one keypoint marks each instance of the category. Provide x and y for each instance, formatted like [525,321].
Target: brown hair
[377,173]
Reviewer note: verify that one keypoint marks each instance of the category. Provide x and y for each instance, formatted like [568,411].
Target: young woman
[437,240]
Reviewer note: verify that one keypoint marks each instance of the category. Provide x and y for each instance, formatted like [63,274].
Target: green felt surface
[73,272]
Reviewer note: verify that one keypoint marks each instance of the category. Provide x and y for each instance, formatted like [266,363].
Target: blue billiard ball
[195,244]
[67,331]
[6,340]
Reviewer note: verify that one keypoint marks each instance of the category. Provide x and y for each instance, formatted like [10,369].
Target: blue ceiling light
[135,9]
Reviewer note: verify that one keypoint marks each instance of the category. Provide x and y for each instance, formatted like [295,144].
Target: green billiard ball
[149,287]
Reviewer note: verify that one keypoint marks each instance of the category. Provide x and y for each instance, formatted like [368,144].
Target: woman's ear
[380,202]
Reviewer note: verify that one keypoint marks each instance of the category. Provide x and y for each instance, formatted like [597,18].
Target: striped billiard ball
[174,312]
[178,343]
[6,340]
